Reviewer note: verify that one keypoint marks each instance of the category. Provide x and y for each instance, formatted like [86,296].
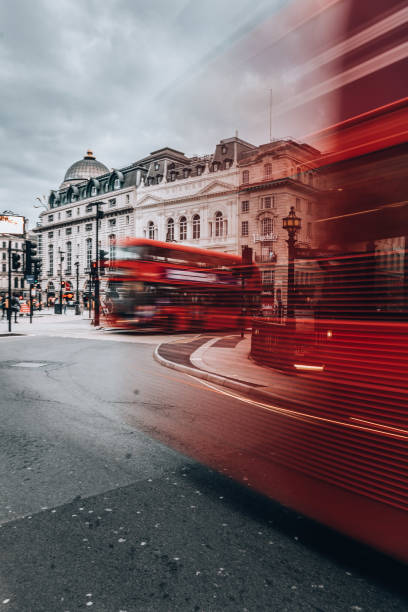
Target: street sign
[29,278]
[11,224]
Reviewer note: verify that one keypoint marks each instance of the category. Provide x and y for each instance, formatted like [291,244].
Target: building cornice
[276,184]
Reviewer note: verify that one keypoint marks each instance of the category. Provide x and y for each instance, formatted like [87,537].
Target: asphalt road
[101,507]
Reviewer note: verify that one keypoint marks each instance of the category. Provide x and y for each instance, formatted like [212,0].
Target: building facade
[164,196]
[18,284]
[273,178]
[192,200]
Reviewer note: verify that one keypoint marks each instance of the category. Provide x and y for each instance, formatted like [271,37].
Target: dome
[85,168]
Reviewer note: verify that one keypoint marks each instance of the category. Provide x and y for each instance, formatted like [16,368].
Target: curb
[255,393]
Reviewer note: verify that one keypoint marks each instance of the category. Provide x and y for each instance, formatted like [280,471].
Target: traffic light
[37,270]
[93,269]
[62,284]
[30,256]
[15,261]
[103,261]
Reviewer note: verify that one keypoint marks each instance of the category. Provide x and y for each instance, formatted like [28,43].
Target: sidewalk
[226,361]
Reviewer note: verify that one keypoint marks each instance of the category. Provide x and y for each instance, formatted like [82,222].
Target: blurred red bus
[172,287]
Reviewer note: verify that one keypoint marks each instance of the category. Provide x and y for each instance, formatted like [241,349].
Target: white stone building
[273,178]
[192,200]
[165,196]
[67,229]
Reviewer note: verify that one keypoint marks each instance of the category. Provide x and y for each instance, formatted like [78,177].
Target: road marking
[28,364]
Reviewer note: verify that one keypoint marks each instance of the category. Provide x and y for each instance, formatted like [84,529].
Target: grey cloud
[125,77]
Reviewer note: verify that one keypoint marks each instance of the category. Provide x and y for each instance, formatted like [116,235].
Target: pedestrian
[64,305]
[15,307]
[3,306]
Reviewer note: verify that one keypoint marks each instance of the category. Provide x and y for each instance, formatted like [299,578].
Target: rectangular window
[112,202]
[50,218]
[88,227]
[4,245]
[298,205]
[127,219]
[68,231]
[69,213]
[245,206]
[267,279]
[268,202]
[4,256]
[89,208]
[50,234]
[78,211]
[112,222]
[78,229]
[3,267]
[244,228]
[245,177]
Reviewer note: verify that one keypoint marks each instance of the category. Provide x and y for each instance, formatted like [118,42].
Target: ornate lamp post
[292,225]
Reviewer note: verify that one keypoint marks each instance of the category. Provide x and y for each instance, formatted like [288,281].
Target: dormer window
[73,197]
[157,166]
[215,166]
[186,172]
[116,183]
[227,164]
[93,190]
[224,149]
[199,170]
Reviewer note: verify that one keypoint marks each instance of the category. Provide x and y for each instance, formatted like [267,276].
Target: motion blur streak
[332,326]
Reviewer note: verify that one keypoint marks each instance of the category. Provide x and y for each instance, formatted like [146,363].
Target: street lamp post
[60,292]
[77,308]
[292,225]
[99,215]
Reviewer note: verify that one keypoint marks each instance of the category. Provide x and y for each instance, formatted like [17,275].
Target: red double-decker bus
[172,287]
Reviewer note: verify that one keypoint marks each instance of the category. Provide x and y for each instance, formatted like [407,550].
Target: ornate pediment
[150,200]
[216,187]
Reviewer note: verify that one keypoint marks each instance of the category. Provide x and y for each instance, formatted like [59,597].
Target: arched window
[219,223]
[69,257]
[116,183]
[150,230]
[170,230]
[88,252]
[267,226]
[245,177]
[50,259]
[268,171]
[183,228]
[93,190]
[196,227]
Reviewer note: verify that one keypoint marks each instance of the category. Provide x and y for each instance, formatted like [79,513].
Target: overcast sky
[126,77]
